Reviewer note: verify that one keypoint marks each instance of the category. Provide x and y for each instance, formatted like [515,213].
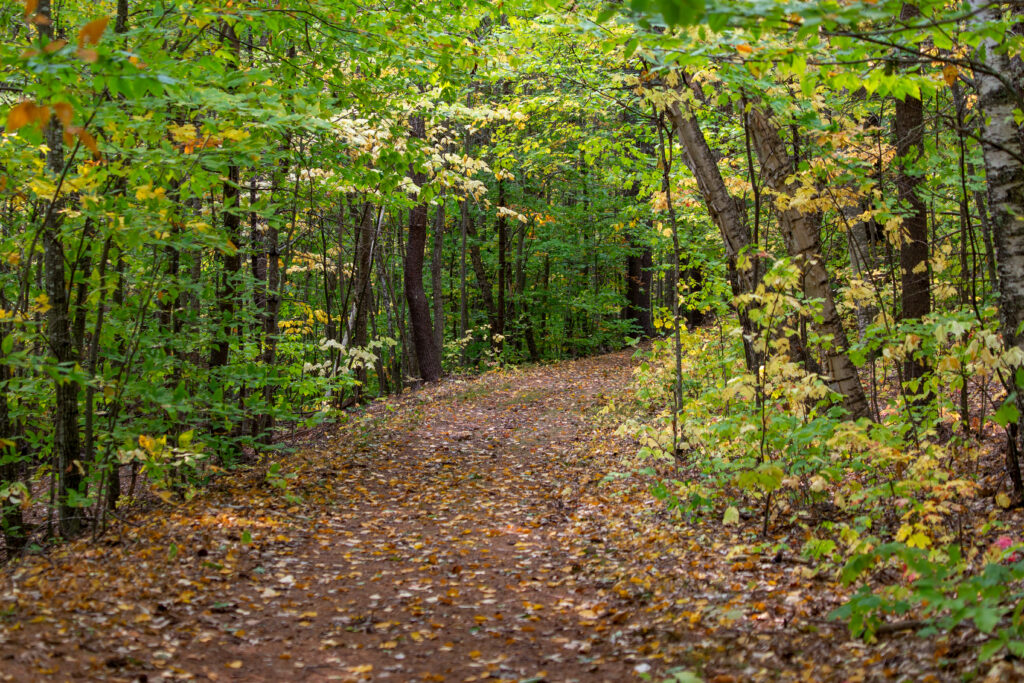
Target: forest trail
[458,533]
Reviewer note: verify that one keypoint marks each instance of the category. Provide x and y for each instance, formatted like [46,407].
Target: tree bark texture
[1004,170]
[915,290]
[801,233]
[436,271]
[428,356]
[66,440]
[498,332]
[482,279]
[232,257]
[726,212]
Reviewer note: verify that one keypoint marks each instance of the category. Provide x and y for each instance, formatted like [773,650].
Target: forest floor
[464,532]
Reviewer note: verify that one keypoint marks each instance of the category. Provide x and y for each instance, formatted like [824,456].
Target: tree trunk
[58,326]
[801,234]
[915,291]
[11,519]
[1004,170]
[498,333]
[232,258]
[266,297]
[463,303]
[986,232]
[58,334]
[121,21]
[639,262]
[368,228]
[428,356]
[436,264]
[726,212]
[232,264]
[482,280]
[113,492]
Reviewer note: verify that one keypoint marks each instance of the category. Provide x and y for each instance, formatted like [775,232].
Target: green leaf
[1007,412]
[631,47]
[718,21]
[989,649]
[607,13]
[942,40]
[986,618]
[766,477]
[807,84]
[681,12]
[7,345]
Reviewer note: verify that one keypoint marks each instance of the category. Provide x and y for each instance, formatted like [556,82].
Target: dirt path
[431,547]
[465,532]
[443,557]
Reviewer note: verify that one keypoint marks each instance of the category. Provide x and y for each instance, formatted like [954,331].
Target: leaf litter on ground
[464,532]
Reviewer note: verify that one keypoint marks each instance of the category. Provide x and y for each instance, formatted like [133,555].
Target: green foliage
[223,194]
[937,584]
[776,442]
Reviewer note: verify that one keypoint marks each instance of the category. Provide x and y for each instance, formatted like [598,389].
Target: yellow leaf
[42,303]
[919,540]
[731,516]
[744,49]
[950,73]
[237,664]
[91,32]
[183,133]
[144,192]
[1002,500]
[234,134]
